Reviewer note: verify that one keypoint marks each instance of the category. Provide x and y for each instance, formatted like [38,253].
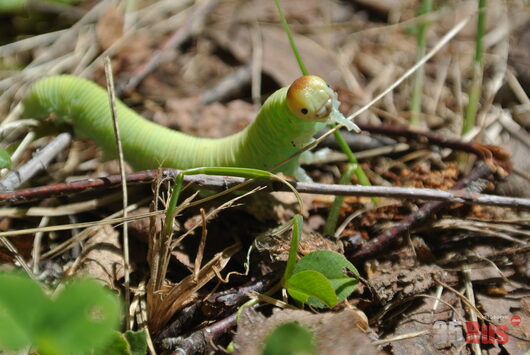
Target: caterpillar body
[286,122]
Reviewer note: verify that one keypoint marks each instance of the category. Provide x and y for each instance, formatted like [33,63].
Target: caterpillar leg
[308,158]
[320,155]
[301,175]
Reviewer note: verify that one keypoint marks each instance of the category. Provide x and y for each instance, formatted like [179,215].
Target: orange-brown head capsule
[310,98]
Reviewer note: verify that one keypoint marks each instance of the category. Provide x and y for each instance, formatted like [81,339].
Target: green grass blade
[351,168]
[293,250]
[172,206]
[476,84]
[291,39]
[333,215]
[417,89]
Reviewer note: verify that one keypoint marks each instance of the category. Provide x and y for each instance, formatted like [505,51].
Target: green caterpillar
[19,5]
[286,122]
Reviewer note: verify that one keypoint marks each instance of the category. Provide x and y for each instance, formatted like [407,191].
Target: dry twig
[227,182]
[116,126]
[39,162]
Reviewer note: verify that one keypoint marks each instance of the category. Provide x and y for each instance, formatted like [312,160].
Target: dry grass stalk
[163,304]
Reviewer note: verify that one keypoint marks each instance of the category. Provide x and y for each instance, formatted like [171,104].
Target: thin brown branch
[488,153]
[225,182]
[199,342]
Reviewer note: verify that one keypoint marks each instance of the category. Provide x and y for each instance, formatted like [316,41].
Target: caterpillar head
[312,100]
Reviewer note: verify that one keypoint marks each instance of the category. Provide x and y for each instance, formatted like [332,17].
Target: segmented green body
[273,136]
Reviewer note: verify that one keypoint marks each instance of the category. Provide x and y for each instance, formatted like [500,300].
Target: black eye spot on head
[304,111]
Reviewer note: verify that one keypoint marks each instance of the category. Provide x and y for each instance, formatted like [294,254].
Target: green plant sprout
[334,210]
[5,159]
[128,343]
[476,82]
[289,339]
[417,87]
[321,278]
[352,167]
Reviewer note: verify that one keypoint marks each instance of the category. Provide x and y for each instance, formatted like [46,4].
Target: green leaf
[289,339]
[80,319]
[332,265]
[117,346]
[137,341]
[128,343]
[5,159]
[230,347]
[307,284]
[22,307]
[295,238]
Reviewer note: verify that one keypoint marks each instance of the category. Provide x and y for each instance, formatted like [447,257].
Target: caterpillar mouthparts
[325,110]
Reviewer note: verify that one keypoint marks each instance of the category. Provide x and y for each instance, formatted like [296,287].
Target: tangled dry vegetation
[203,68]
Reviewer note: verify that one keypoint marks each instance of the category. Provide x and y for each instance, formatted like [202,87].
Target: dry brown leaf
[395,284]
[335,333]
[139,228]
[102,257]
